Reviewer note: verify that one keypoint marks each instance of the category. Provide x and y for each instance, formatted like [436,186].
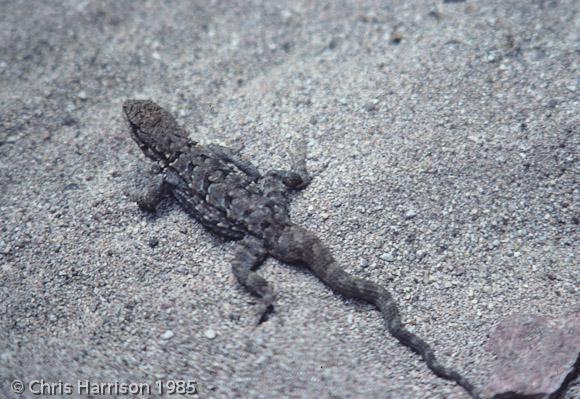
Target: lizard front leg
[152,193]
[298,178]
[251,254]
[228,155]
[276,183]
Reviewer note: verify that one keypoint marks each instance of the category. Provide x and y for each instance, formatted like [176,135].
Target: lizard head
[155,130]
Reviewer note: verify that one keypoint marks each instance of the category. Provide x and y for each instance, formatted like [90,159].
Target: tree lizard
[230,197]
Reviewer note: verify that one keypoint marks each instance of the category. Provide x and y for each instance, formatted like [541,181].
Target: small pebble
[332,44]
[167,335]
[69,121]
[210,334]
[387,257]
[370,107]
[396,37]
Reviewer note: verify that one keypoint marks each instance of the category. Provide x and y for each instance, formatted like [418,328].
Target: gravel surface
[444,140]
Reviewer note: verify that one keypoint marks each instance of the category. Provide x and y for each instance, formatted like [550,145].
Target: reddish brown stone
[536,356]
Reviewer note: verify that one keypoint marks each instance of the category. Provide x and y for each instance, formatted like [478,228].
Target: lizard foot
[264,312]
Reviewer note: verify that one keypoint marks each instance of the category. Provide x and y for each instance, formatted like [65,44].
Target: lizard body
[231,199]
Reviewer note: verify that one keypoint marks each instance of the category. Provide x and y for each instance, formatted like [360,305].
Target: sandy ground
[444,139]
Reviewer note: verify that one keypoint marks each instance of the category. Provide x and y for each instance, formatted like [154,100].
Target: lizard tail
[299,245]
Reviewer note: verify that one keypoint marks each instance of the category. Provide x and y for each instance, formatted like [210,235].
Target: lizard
[233,200]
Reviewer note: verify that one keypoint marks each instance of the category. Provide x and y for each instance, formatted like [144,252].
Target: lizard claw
[265,309]
[264,315]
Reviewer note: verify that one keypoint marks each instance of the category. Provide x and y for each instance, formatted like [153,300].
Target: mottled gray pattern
[232,200]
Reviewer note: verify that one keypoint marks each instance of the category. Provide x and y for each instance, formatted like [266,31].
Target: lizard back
[219,195]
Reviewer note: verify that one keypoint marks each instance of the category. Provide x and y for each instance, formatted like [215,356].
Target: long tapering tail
[299,245]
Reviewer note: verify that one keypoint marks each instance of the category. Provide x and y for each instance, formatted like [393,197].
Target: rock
[5,356]
[332,44]
[5,250]
[167,335]
[410,214]
[536,356]
[210,334]
[370,107]
[420,254]
[387,257]
[396,37]
[69,121]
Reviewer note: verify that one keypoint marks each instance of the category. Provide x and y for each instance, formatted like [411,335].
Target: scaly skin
[231,199]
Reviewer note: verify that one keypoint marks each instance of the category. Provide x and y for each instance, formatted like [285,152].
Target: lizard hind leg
[250,255]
